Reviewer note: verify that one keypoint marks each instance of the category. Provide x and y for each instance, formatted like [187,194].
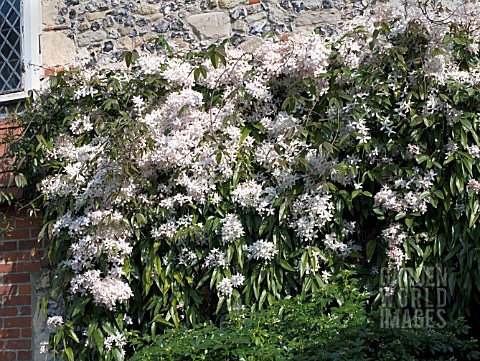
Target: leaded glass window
[11,63]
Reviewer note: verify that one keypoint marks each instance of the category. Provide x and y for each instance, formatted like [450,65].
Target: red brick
[24,355]
[8,290]
[27,244]
[27,222]
[251,2]
[10,333]
[18,344]
[8,311]
[15,256]
[12,322]
[24,289]
[16,278]
[8,246]
[8,356]
[2,345]
[26,332]
[16,300]
[34,232]
[25,310]
[18,234]
[32,266]
[6,267]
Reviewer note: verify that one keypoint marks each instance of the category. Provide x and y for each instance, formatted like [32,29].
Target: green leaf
[245,133]
[73,335]
[99,339]
[109,328]
[118,354]
[286,265]
[409,222]
[474,214]
[69,353]
[370,249]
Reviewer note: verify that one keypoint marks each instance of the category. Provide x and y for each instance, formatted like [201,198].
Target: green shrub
[331,325]
[184,186]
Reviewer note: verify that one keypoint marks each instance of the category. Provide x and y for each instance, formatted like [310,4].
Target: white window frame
[31,22]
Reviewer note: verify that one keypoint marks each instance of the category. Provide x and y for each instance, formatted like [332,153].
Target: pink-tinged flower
[473,185]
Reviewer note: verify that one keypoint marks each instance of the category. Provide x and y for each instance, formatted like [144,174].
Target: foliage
[183,187]
[330,325]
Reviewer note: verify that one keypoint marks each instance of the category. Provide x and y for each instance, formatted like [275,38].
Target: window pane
[10,46]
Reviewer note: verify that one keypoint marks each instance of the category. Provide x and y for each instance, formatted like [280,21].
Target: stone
[313,5]
[177,25]
[107,22]
[125,43]
[129,21]
[50,9]
[251,44]
[327,4]
[83,27]
[145,9]
[238,13]
[91,7]
[95,16]
[309,19]
[275,15]
[124,30]
[256,18]
[212,4]
[298,6]
[107,47]
[240,26]
[57,49]
[91,37]
[141,22]
[153,18]
[215,25]
[95,26]
[258,28]
[228,4]
[285,4]
[113,33]
[160,26]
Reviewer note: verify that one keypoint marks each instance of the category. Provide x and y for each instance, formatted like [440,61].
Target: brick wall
[21,259]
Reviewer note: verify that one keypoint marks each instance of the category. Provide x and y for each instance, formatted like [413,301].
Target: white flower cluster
[262,250]
[232,228]
[216,258]
[226,285]
[473,185]
[311,212]
[54,322]
[305,54]
[248,194]
[395,238]
[409,194]
[108,290]
[117,340]
[336,246]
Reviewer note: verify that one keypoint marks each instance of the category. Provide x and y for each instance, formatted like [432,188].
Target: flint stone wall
[76,31]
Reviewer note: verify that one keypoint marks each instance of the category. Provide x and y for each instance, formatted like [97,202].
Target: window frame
[31,57]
